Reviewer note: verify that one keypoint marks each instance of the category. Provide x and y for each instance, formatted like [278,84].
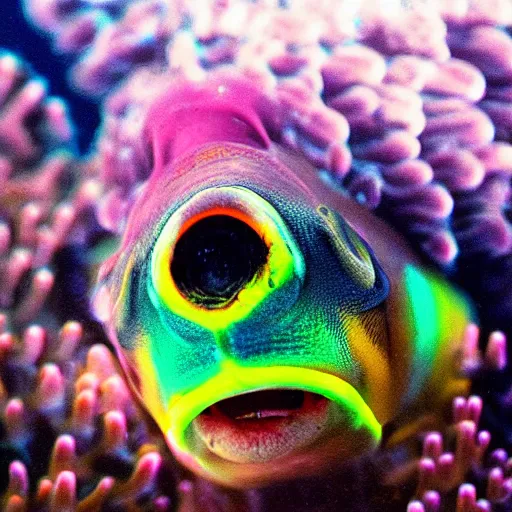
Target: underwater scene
[255,255]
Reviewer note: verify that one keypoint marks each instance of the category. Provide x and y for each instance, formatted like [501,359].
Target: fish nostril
[215,258]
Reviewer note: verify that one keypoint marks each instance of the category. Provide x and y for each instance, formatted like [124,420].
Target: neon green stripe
[424,326]
[438,316]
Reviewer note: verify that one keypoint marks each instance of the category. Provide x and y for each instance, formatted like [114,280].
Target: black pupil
[215,258]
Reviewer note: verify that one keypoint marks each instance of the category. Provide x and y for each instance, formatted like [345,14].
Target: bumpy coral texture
[408,109]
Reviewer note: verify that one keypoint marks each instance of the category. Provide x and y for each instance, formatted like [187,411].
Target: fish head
[249,316]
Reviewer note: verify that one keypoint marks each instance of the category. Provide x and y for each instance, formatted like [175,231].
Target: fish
[271,326]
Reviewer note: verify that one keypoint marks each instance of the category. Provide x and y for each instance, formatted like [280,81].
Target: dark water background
[18,36]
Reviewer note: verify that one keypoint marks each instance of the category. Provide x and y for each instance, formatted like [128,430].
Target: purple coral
[36,160]
[440,472]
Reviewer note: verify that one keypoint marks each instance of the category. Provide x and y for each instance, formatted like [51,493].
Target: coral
[111,38]
[440,472]
[44,206]
[73,438]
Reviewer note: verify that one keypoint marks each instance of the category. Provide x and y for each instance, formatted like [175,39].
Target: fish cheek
[160,352]
[368,339]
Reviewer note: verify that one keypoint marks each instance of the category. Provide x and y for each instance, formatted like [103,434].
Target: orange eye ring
[222,210]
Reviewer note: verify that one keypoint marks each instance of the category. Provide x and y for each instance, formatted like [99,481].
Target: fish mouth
[248,426]
[261,426]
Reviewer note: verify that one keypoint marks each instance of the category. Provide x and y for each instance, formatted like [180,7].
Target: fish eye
[220,255]
[350,248]
[215,258]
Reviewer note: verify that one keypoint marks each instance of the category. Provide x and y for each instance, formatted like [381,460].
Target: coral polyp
[402,109]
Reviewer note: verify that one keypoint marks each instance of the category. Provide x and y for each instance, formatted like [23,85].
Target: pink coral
[74,398]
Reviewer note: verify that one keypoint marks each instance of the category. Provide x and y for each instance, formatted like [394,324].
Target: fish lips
[243,430]
[261,426]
